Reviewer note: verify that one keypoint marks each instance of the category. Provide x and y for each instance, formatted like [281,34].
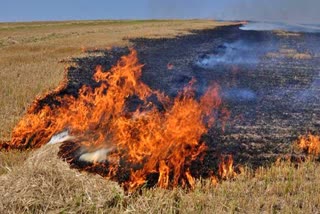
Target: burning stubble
[127,145]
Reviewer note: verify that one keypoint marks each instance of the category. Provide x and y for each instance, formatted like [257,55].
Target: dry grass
[11,159]
[45,184]
[289,53]
[286,33]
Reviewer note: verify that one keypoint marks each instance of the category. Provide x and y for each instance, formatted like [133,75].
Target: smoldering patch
[241,52]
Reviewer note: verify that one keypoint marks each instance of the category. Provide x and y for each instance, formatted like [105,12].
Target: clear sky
[303,11]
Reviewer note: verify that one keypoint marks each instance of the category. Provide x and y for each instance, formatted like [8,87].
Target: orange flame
[226,170]
[310,144]
[146,140]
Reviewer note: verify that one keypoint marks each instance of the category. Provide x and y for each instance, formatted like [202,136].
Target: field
[37,181]
[30,54]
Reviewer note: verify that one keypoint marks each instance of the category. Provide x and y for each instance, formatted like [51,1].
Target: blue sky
[305,11]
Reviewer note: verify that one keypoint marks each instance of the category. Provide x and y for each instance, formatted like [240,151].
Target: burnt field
[269,82]
[211,146]
[272,98]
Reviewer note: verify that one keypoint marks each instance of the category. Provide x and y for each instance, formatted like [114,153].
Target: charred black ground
[273,98]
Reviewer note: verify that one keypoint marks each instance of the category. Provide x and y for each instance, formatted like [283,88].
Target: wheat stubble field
[38,182]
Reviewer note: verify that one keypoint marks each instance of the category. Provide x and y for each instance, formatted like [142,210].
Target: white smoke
[239,94]
[236,53]
[292,11]
[60,137]
[99,155]
[96,156]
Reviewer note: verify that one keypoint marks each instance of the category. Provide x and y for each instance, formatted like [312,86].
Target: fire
[310,144]
[226,170]
[125,131]
[170,66]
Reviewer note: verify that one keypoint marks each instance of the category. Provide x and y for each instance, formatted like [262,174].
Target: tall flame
[310,144]
[158,136]
[226,170]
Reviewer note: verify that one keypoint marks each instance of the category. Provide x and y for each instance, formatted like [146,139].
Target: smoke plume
[291,11]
